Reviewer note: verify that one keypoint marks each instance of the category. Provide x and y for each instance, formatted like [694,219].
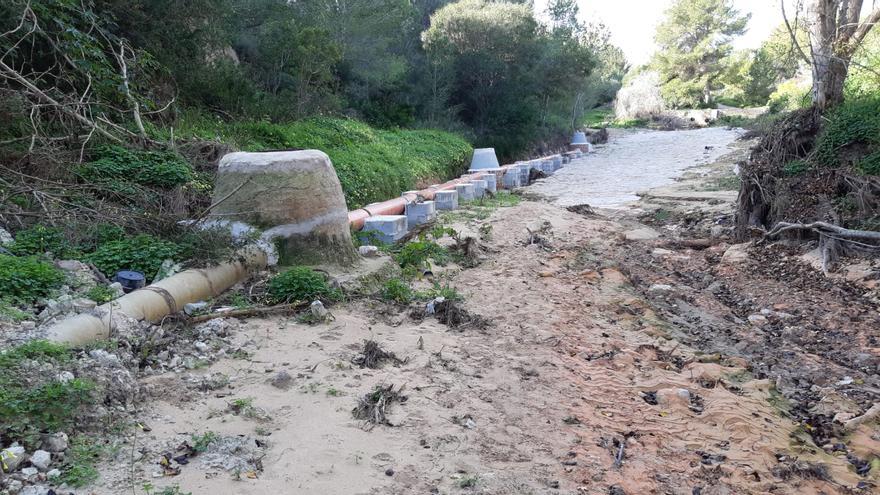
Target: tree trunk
[828,78]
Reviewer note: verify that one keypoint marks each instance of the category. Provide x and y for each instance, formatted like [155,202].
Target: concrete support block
[386,228]
[465,192]
[419,213]
[511,178]
[524,170]
[479,188]
[446,200]
[547,166]
[491,182]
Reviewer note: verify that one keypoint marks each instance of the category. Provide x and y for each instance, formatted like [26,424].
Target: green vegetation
[300,283]
[694,42]
[29,408]
[80,460]
[598,117]
[101,294]
[40,239]
[854,125]
[163,169]
[372,164]
[468,481]
[416,254]
[396,290]
[795,167]
[200,443]
[23,280]
[144,253]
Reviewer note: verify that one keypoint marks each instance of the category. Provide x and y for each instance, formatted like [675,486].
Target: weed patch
[24,280]
[300,284]
[143,253]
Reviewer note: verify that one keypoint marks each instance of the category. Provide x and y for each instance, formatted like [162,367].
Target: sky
[633,22]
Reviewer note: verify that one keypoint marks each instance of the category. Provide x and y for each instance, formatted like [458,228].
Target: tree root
[832,239]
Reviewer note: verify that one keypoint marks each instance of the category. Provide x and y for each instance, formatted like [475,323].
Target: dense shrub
[790,95]
[372,164]
[40,239]
[300,284]
[26,279]
[852,135]
[143,253]
[397,290]
[163,169]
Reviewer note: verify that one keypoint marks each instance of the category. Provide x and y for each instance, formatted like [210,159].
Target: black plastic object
[130,280]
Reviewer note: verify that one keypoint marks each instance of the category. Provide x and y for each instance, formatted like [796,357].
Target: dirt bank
[619,357]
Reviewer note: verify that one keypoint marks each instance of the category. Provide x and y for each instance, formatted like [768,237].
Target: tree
[836,32]
[693,41]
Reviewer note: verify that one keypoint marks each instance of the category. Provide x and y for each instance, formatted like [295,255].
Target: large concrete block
[491,182]
[446,200]
[511,178]
[294,196]
[479,188]
[419,213]
[386,228]
[547,166]
[484,158]
[524,171]
[465,192]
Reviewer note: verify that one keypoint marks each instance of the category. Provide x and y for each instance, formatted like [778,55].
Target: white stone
[11,457]
[758,320]
[318,310]
[41,460]
[65,376]
[29,471]
[660,288]
[368,251]
[736,254]
[56,442]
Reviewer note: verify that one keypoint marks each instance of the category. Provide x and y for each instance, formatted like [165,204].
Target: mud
[611,360]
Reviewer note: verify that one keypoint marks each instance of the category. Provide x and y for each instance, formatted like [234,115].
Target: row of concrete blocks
[389,229]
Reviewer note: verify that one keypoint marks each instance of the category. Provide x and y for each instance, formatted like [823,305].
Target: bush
[101,294]
[24,280]
[115,165]
[38,240]
[143,253]
[790,95]
[417,253]
[795,167]
[397,290]
[300,283]
[852,136]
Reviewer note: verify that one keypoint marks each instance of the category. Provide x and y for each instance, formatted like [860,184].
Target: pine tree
[693,41]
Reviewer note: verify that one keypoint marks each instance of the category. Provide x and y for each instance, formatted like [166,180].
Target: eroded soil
[617,359]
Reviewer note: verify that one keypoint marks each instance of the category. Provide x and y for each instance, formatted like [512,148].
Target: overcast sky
[634,22]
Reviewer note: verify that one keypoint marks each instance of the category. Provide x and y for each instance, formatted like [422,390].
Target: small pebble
[389,472]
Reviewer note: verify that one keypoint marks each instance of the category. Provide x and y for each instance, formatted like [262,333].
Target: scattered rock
[65,376]
[643,234]
[5,237]
[281,380]
[29,472]
[116,287]
[671,397]
[736,254]
[368,251]
[319,312]
[104,358]
[41,460]
[14,487]
[12,457]
[660,289]
[758,320]
[195,308]
[83,304]
[34,490]
[57,442]
[389,472]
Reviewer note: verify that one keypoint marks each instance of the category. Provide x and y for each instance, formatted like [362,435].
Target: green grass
[372,164]
[300,283]
[201,442]
[598,117]
[80,462]
[397,290]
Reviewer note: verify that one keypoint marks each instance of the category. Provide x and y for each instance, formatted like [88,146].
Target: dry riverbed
[608,351]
